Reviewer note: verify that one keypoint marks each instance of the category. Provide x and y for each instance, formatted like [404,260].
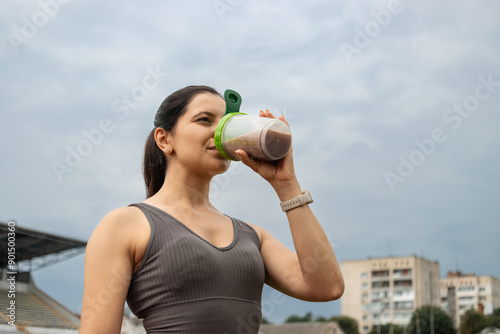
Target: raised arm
[111,256]
[312,272]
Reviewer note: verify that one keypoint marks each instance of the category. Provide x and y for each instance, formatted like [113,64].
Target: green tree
[347,324]
[493,320]
[386,329]
[426,317]
[296,318]
[264,321]
[472,322]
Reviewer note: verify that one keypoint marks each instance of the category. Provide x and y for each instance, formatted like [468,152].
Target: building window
[466,298]
[406,283]
[364,285]
[380,273]
[380,284]
[402,272]
[365,328]
[403,304]
[364,274]
[403,293]
[364,296]
[482,289]
[467,288]
[365,317]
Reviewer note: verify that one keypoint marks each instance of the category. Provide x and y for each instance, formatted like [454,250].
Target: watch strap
[296,202]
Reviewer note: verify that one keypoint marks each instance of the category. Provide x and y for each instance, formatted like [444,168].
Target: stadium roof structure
[35,250]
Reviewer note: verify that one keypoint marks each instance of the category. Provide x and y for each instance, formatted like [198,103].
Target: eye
[204,120]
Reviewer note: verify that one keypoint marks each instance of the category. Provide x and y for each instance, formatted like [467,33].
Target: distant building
[460,292]
[387,290]
[132,325]
[302,328]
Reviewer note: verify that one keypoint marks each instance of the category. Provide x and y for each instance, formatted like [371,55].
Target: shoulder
[120,226]
[259,230]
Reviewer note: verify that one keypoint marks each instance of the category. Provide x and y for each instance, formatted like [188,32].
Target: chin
[224,166]
[219,166]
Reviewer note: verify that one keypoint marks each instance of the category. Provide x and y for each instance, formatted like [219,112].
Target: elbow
[327,294]
[336,291]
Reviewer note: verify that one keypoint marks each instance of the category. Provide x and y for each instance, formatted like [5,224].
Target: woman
[181,264]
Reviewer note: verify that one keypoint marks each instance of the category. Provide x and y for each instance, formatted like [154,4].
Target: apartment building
[460,292]
[387,290]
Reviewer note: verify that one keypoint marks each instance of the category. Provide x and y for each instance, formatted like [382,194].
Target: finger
[282,118]
[266,114]
[246,159]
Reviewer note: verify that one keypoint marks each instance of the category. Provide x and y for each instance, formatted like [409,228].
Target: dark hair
[174,106]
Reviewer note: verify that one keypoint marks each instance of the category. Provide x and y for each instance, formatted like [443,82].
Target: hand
[275,172]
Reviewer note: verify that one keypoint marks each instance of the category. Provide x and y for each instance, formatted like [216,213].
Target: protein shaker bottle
[260,137]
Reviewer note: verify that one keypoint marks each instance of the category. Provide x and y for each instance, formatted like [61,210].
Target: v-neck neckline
[235,229]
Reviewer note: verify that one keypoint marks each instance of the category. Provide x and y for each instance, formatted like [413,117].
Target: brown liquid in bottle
[277,143]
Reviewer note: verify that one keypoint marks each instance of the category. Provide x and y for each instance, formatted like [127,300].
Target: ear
[163,139]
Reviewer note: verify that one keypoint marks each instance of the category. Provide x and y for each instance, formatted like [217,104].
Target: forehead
[206,102]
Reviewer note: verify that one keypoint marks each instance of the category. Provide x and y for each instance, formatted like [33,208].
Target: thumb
[247,160]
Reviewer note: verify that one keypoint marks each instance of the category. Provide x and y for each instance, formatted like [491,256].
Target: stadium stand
[35,311]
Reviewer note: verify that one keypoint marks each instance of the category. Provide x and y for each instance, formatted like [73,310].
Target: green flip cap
[233,101]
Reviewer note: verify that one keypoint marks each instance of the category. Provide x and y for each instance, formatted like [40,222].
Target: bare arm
[312,272]
[110,259]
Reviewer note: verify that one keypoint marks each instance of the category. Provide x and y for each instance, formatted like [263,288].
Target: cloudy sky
[393,107]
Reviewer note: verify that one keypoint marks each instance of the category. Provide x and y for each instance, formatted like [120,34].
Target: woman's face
[192,138]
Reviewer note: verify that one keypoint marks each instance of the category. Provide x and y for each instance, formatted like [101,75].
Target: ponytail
[154,165]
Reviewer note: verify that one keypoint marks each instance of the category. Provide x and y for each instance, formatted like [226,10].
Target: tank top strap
[152,224]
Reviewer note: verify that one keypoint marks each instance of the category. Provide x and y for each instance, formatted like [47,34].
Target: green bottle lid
[233,101]
[218,135]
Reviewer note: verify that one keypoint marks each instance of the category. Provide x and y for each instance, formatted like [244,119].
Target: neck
[185,190]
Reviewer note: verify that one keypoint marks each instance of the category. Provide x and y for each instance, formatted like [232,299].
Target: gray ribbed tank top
[184,284]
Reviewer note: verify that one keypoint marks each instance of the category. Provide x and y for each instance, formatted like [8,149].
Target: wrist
[297,202]
[287,189]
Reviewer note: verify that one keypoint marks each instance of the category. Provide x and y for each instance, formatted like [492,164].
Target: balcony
[380,284]
[401,273]
[403,283]
[403,305]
